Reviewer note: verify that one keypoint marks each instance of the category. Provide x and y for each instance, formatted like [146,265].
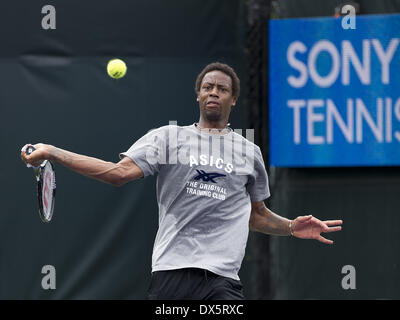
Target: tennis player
[211,187]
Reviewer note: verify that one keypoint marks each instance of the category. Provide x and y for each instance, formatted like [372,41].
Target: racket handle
[29,150]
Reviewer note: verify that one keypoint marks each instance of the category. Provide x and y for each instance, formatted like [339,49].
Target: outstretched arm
[264,220]
[116,174]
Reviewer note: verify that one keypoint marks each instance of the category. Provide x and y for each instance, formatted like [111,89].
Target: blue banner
[335,92]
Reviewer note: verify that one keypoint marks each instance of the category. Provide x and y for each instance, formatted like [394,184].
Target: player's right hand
[36,158]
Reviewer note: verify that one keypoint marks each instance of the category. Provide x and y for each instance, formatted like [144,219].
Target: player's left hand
[309,227]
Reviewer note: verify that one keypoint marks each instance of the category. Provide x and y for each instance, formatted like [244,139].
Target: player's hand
[309,227]
[36,157]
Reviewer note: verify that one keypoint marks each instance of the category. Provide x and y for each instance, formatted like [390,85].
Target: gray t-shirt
[205,185]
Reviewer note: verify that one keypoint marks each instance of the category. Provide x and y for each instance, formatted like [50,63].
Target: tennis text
[354,120]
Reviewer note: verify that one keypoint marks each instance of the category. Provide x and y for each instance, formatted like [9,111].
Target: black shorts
[193,284]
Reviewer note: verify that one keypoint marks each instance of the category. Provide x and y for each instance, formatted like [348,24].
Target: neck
[221,124]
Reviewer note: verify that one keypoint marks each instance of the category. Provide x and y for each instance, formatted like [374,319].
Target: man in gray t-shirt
[204,191]
[211,187]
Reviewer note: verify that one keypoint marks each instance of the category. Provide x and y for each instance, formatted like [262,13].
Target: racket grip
[29,150]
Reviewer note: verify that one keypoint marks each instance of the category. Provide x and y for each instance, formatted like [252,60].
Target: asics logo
[205,160]
[208,176]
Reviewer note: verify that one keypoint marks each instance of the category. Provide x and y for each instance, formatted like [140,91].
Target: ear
[233,102]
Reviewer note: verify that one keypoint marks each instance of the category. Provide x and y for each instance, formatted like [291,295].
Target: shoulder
[249,143]
[160,132]
[170,129]
[166,133]
[249,149]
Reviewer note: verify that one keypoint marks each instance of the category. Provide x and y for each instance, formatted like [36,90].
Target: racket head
[46,190]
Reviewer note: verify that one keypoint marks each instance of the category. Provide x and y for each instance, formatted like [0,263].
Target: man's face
[215,96]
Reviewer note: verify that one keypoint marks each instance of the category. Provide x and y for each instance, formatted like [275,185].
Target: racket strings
[53,183]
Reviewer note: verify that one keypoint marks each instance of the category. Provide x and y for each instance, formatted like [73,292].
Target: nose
[214,92]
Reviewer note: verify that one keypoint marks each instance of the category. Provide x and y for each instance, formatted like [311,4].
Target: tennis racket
[46,187]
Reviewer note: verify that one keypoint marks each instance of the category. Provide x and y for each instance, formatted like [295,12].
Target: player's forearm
[88,166]
[268,222]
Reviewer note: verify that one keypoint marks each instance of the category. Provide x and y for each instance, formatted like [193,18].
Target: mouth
[213,104]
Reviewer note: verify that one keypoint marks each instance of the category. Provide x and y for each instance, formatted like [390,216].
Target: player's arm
[264,220]
[116,174]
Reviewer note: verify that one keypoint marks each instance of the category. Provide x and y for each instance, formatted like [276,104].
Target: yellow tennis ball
[116,68]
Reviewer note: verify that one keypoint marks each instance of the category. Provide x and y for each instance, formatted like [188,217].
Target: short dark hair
[218,66]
